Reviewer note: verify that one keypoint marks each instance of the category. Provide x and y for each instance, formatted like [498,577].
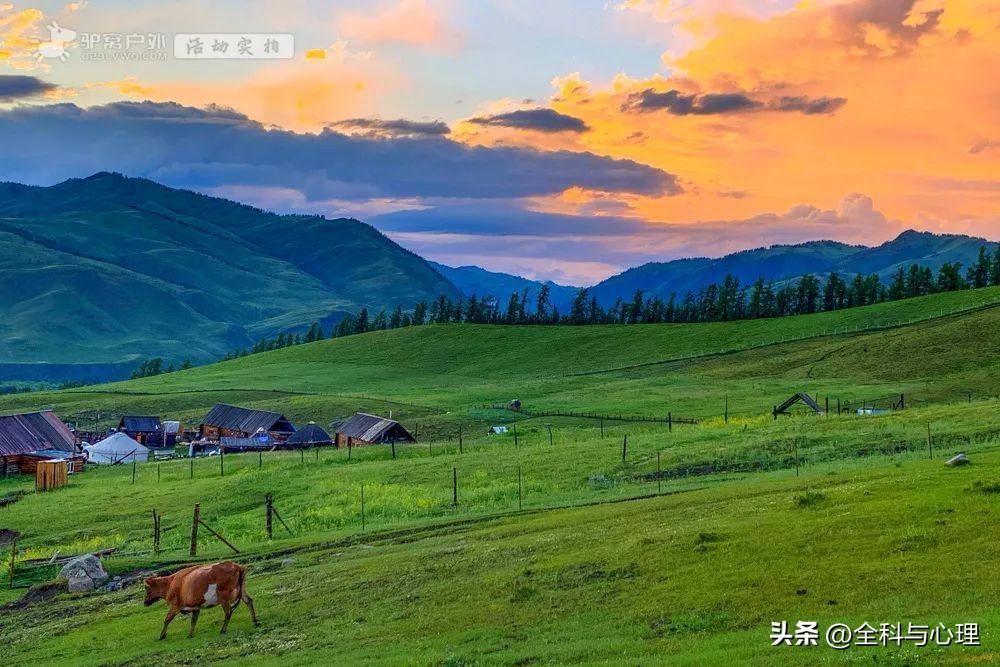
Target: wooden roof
[34,431]
[372,428]
[140,423]
[235,418]
[800,396]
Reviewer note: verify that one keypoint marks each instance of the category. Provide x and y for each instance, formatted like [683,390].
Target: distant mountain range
[787,262]
[109,269]
[475,280]
[100,272]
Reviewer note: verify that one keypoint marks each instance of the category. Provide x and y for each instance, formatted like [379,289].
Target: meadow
[578,540]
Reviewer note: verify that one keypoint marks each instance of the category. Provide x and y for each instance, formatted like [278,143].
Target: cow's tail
[241,586]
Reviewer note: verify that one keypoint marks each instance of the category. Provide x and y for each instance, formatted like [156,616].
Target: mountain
[787,262]
[475,280]
[109,269]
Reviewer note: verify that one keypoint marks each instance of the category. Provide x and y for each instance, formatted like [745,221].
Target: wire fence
[463,494]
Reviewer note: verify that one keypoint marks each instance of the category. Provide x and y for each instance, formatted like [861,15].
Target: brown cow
[192,589]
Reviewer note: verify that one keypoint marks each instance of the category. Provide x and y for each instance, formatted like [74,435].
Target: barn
[364,429]
[148,430]
[27,438]
[232,421]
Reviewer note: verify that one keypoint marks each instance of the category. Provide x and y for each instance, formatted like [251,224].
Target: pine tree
[578,311]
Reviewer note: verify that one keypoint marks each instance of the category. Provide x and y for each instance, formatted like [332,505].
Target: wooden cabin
[147,430]
[364,429]
[24,439]
[232,421]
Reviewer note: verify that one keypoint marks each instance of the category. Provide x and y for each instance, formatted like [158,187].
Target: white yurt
[117,447]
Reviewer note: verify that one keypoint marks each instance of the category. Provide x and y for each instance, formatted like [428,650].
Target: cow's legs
[249,603]
[228,609]
[166,622]
[194,620]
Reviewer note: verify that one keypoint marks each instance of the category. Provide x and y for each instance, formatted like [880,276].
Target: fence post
[838,406]
[727,409]
[192,467]
[133,467]
[302,454]
[520,491]
[13,556]
[222,461]
[362,507]
[624,447]
[194,529]
[268,503]
[550,436]
[349,448]
[930,442]
[316,447]
[659,474]
[902,401]
[454,487]
[461,449]
[260,460]
[157,472]
[391,444]
[827,413]
[515,435]
[670,422]
[602,427]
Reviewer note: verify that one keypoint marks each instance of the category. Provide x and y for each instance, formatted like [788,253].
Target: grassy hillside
[108,268]
[575,540]
[692,576]
[689,370]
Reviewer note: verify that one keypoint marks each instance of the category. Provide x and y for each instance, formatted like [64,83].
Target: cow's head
[154,589]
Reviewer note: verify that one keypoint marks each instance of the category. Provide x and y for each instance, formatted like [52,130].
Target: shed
[50,474]
[24,433]
[310,436]
[797,398]
[365,429]
[116,448]
[148,430]
[233,421]
[30,461]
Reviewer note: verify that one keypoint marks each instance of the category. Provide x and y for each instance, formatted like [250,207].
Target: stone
[286,562]
[84,574]
[958,460]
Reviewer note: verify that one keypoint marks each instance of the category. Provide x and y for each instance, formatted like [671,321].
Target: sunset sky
[564,139]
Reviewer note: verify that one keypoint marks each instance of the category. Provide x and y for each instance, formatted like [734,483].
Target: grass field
[683,553]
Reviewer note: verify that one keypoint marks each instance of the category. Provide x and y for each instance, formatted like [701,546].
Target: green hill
[691,370]
[109,269]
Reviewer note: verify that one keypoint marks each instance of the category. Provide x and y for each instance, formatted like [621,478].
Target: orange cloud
[304,95]
[410,22]
[19,36]
[892,99]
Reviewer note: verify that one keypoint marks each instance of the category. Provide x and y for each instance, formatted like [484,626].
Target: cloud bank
[212,147]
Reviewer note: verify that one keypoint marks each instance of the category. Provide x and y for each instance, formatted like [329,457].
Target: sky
[563,140]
